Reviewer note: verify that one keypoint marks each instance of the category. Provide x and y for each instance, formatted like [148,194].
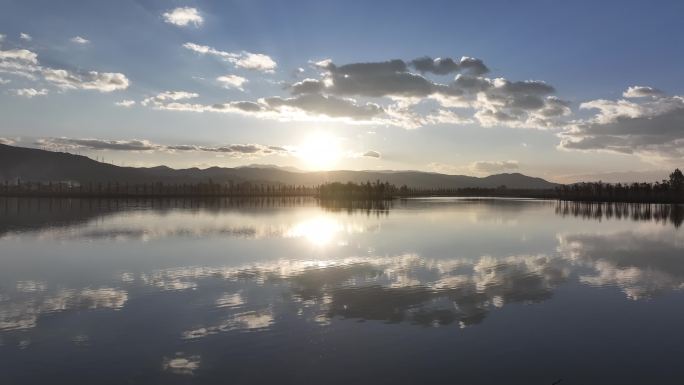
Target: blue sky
[560,108]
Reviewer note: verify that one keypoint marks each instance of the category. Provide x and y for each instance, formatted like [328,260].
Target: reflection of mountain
[38,165]
[642,263]
[671,213]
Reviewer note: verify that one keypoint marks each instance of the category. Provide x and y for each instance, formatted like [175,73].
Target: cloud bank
[646,123]
[393,92]
[234,150]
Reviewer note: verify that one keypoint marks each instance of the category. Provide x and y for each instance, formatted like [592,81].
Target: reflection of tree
[672,213]
[31,214]
[350,206]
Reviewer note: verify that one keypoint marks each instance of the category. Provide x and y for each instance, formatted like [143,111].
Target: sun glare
[320,151]
[319,231]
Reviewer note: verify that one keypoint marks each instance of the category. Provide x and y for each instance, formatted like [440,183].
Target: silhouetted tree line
[379,191]
[353,191]
[667,191]
[159,189]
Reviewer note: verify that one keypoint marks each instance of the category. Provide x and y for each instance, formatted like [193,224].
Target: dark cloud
[399,94]
[307,86]
[445,66]
[331,106]
[372,154]
[246,106]
[182,147]
[144,145]
[235,148]
[98,144]
[378,80]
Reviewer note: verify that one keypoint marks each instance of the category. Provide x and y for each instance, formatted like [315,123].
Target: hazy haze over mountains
[39,165]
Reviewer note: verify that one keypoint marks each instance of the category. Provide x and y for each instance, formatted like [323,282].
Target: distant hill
[36,165]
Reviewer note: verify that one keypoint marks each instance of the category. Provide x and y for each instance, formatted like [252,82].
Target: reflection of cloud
[168,280]
[23,311]
[181,365]
[230,300]
[404,287]
[247,321]
[31,286]
[451,296]
[252,321]
[642,263]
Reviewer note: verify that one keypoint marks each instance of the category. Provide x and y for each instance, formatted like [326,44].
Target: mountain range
[35,165]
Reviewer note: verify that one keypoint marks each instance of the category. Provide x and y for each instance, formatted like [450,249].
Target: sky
[567,91]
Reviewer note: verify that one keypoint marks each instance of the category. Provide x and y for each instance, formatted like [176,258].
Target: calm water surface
[424,291]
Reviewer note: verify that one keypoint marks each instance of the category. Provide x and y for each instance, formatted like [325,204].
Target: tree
[677,180]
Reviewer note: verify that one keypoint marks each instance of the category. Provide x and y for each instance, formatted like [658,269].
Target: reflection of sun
[320,151]
[319,231]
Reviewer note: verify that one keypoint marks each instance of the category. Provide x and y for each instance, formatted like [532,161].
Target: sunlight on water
[319,231]
[220,282]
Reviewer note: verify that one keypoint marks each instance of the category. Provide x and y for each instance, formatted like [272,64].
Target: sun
[320,151]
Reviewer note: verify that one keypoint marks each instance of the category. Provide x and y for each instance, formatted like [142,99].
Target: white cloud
[642,92]
[79,40]
[244,59]
[184,16]
[92,80]
[232,81]
[2,38]
[22,62]
[30,92]
[650,127]
[255,61]
[372,154]
[25,36]
[126,103]
[6,141]
[166,97]
[5,81]
[17,58]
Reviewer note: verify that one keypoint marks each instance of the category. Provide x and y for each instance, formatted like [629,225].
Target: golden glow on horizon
[320,151]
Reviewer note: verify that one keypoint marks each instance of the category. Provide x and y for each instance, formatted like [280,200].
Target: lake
[290,291]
